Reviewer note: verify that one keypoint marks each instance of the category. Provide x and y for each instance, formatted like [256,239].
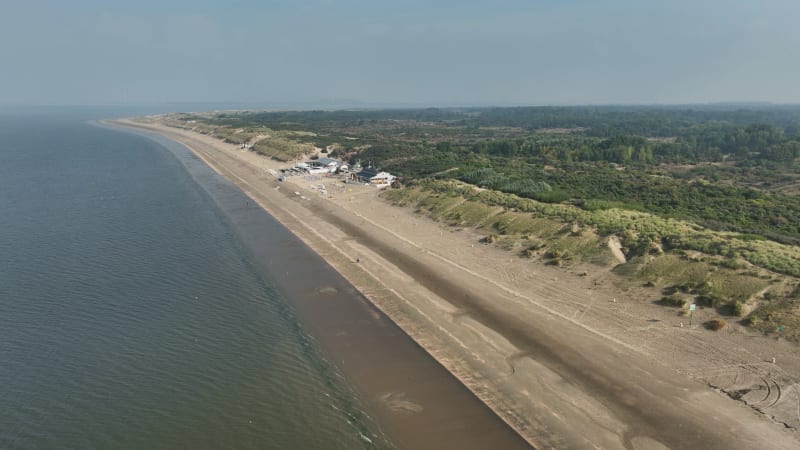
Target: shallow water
[132,317]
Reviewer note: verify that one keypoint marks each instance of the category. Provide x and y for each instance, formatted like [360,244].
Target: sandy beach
[567,361]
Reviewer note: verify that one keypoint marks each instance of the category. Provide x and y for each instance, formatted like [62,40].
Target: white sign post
[691,312]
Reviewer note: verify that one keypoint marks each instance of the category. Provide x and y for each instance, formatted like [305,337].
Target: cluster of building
[332,167]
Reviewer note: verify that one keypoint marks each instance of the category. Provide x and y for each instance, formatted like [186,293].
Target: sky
[384,52]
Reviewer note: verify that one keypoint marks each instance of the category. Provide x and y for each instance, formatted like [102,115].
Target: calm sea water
[131,316]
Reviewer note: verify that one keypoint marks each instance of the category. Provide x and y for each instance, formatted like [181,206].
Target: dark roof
[367,172]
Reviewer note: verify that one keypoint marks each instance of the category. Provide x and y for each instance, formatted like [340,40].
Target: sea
[133,316]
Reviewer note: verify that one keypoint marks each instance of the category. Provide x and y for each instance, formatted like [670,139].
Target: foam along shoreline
[415,401]
[562,368]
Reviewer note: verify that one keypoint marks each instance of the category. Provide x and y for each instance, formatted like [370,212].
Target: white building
[382,180]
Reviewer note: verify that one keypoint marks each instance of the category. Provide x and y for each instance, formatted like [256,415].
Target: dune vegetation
[689,263]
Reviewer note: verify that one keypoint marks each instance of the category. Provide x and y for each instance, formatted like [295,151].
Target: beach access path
[567,361]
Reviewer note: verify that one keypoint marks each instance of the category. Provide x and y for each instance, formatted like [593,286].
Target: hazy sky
[412,52]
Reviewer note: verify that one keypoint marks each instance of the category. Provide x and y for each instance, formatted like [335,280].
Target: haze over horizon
[448,53]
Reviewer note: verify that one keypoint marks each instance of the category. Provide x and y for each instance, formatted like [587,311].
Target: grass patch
[281,148]
[780,317]
[404,197]
[673,269]
[517,223]
[470,214]
[724,289]
[438,207]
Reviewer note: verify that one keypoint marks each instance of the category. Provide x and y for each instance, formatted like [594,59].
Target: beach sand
[567,361]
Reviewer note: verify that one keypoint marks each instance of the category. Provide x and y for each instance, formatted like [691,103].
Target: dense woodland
[727,167]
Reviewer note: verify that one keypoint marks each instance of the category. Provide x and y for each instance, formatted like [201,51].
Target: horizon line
[331,105]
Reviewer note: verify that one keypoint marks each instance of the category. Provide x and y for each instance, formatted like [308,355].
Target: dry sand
[567,361]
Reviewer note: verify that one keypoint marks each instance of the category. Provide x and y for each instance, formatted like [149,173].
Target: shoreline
[408,393]
[550,392]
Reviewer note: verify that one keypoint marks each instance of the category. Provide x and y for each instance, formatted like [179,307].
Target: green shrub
[709,300]
[734,264]
[672,300]
[555,253]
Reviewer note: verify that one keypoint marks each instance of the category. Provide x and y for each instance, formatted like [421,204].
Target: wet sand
[417,403]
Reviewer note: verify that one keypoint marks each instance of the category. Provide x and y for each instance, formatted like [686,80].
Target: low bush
[673,300]
[490,239]
[715,324]
[709,300]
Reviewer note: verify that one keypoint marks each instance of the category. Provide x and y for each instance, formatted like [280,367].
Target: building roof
[367,172]
[327,161]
